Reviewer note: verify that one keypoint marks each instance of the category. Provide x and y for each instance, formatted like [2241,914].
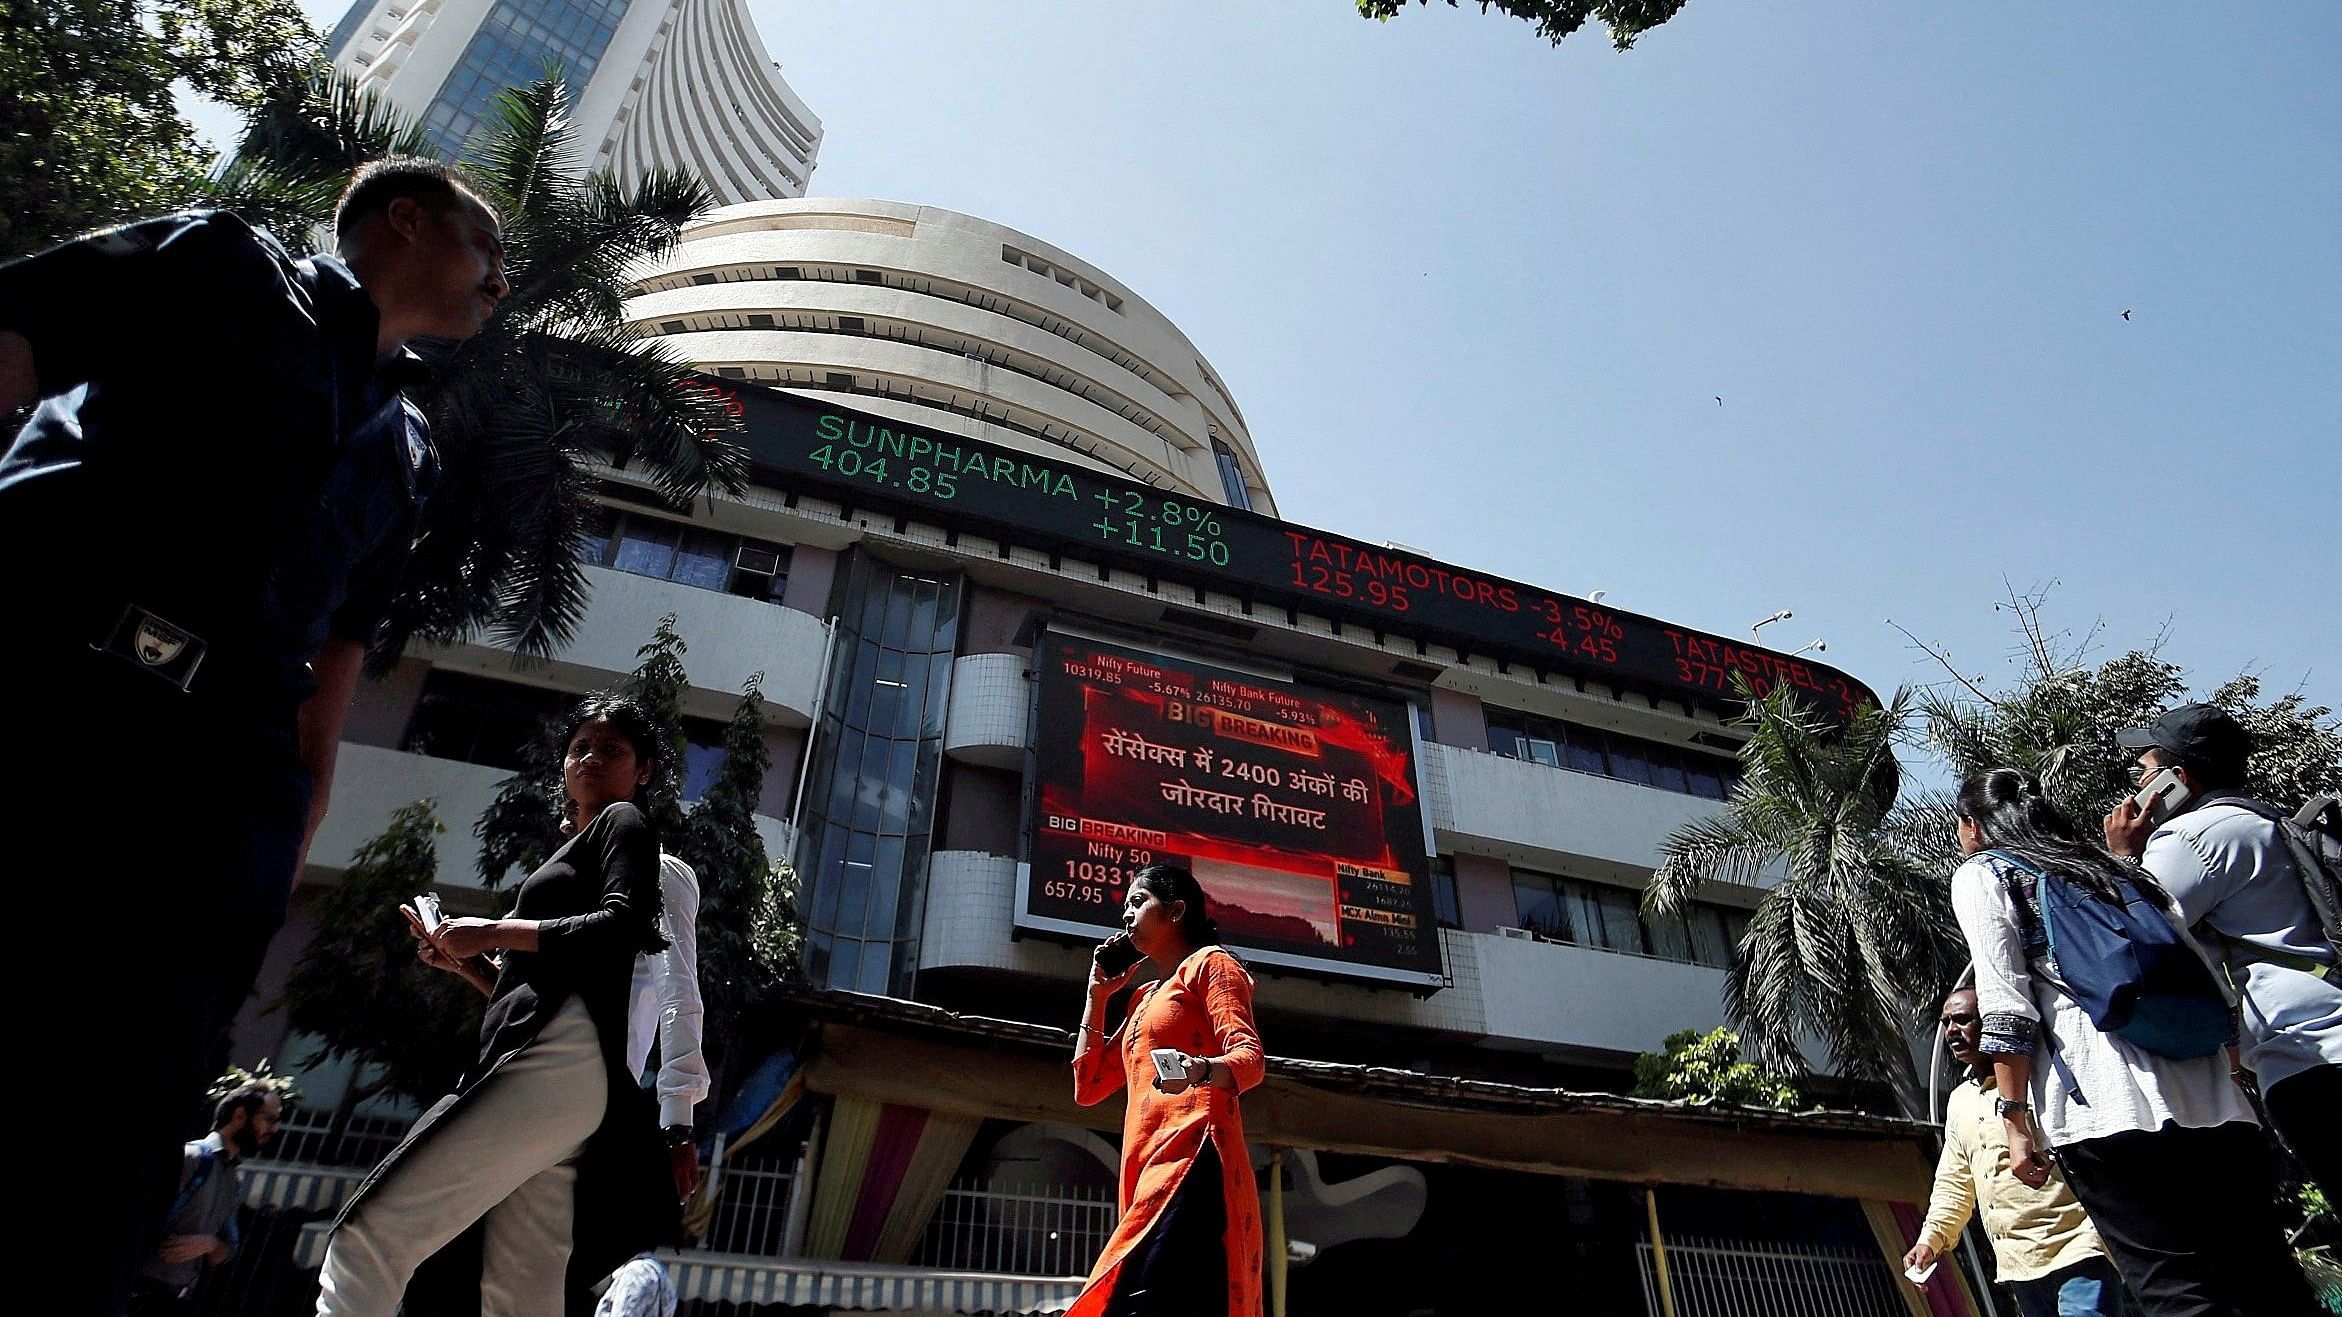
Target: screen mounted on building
[1297,808]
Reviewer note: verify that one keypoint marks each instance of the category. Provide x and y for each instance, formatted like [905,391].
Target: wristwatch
[2001,1107]
[1207,1077]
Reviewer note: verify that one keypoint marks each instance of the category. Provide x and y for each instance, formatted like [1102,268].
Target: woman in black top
[548,1132]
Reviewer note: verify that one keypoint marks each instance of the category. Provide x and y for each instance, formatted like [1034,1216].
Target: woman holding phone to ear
[2162,1152]
[548,1142]
[1189,1238]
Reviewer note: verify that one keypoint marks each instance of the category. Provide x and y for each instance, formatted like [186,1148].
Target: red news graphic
[1296,808]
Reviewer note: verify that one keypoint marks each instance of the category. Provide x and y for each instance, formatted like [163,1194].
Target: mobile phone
[427,910]
[1921,1275]
[2162,795]
[1115,954]
[1170,1066]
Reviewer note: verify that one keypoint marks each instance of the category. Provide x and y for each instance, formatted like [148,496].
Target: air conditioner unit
[1524,934]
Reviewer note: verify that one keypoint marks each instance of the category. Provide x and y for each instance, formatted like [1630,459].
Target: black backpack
[2314,837]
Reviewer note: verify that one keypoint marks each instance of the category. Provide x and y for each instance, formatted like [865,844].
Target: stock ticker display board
[870,461]
[1297,808]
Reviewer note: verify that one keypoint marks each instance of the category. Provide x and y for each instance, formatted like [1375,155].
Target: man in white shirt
[665,1009]
[2043,1245]
[2240,888]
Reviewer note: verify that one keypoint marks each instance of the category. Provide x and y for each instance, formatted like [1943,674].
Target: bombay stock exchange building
[1011,571]
[683,84]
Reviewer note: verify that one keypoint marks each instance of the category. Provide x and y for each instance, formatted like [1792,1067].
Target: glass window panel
[928,766]
[1537,907]
[833,857]
[703,559]
[1702,779]
[646,547]
[817,954]
[896,817]
[1711,945]
[1444,906]
[870,791]
[1504,741]
[1585,751]
[919,632]
[861,685]
[899,598]
[886,694]
[1621,929]
[845,965]
[1542,751]
[1667,771]
[936,698]
[1630,760]
[873,581]
[593,541]
[886,876]
[847,775]
[1670,937]
[854,885]
[701,763]
[877,958]
[947,615]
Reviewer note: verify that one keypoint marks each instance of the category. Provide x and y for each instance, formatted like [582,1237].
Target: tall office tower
[677,83]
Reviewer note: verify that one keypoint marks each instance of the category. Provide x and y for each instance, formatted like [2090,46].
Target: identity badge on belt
[171,653]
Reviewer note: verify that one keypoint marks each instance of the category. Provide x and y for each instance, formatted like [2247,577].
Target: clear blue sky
[1479,295]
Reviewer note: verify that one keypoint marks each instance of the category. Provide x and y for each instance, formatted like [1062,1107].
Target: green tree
[1557,19]
[1851,937]
[88,133]
[1697,1067]
[748,927]
[358,987]
[554,384]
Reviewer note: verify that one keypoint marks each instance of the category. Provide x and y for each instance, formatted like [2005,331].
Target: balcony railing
[1049,1232]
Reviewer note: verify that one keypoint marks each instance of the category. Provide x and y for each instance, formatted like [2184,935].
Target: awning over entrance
[887,1050]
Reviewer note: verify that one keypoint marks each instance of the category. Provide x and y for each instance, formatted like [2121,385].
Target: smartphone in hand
[2162,795]
[1170,1066]
[427,910]
[1115,955]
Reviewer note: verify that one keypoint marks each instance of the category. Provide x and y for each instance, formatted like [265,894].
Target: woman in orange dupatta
[1189,1241]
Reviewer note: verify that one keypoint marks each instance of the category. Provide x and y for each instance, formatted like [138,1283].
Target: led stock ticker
[872,461]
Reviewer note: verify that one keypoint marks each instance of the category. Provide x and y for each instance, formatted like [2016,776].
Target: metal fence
[1045,1232]
[1714,1278]
[308,1138]
[752,1211]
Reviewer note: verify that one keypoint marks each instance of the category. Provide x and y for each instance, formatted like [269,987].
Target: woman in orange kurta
[1189,1241]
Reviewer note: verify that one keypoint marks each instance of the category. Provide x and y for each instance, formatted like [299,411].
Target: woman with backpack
[2107,1033]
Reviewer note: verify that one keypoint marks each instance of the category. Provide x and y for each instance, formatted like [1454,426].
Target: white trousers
[509,1154]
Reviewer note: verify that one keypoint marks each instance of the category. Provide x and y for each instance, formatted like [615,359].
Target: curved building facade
[682,84]
[958,325]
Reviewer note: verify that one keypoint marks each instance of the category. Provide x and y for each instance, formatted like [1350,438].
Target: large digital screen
[1297,808]
[872,461]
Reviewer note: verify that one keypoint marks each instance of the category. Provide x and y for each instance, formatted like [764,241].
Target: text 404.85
[886,472]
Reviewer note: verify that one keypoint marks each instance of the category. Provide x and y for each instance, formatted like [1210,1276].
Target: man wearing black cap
[2222,858]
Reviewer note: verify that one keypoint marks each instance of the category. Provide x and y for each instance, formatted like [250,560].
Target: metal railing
[1713,1278]
[306,1136]
[752,1212]
[1047,1232]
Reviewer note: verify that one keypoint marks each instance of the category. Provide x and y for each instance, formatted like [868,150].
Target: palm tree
[555,383]
[1852,939]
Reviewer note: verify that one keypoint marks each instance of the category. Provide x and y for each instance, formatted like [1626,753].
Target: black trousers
[1181,1268]
[162,831]
[2307,1111]
[2192,1219]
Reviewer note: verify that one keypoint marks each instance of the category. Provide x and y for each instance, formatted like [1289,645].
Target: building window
[687,555]
[512,47]
[480,720]
[1609,754]
[1231,476]
[1444,907]
[1606,917]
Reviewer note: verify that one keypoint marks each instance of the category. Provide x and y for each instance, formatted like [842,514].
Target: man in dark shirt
[200,1230]
[202,525]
